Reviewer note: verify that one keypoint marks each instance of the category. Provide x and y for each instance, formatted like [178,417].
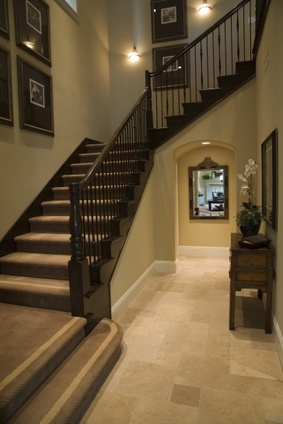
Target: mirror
[208,190]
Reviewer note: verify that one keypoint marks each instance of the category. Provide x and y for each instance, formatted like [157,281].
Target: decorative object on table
[33,28]
[269,160]
[36,104]
[254,242]
[169,20]
[249,217]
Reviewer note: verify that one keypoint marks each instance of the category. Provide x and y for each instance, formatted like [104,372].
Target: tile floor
[181,364]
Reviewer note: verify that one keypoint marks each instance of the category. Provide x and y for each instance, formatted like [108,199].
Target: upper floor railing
[198,65]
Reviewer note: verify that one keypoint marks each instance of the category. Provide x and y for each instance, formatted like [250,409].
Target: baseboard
[215,252]
[132,293]
[165,267]
[278,337]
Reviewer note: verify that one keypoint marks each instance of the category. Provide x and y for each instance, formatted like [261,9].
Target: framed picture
[169,20]
[176,75]
[6,110]
[269,179]
[35,96]
[4,22]
[32,28]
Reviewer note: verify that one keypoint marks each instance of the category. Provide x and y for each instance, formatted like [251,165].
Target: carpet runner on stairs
[50,372]
[37,273]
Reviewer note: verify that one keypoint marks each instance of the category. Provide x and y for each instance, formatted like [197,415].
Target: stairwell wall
[269,95]
[80,73]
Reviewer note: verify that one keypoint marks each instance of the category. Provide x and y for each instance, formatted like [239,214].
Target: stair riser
[44,247]
[53,209]
[45,227]
[35,300]
[88,157]
[63,194]
[30,270]
[111,179]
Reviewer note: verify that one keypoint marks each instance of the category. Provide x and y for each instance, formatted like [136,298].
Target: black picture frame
[4,21]
[169,20]
[33,28]
[6,109]
[269,153]
[35,99]
[176,75]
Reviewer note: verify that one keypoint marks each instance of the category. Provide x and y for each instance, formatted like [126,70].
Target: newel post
[78,265]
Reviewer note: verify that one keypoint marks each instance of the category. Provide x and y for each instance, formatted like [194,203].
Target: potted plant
[249,217]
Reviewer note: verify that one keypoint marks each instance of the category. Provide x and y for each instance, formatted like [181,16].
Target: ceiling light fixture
[134,56]
[204,8]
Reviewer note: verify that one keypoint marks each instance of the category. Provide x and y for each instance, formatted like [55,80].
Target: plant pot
[251,229]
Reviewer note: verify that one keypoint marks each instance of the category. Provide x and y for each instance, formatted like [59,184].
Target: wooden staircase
[36,274]
[209,98]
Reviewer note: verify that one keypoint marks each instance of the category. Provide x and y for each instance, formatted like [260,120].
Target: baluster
[219,51]
[201,66]
[238,38]
[75,223]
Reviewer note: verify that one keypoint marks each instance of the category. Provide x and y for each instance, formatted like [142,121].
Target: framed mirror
[269,179]
[208,190]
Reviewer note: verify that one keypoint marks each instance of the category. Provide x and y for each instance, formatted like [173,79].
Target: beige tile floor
[181,364]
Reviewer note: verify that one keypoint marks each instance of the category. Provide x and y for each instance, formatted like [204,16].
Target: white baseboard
[219,252]
[132,293]
[278,337]
[166,267]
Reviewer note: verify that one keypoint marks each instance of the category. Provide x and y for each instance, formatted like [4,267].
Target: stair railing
[198,65]
[100,198]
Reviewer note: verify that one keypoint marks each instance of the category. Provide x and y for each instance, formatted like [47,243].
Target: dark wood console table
[251,269]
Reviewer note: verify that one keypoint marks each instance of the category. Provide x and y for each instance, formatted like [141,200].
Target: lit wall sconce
[28,43]
[134,56]
[204,8]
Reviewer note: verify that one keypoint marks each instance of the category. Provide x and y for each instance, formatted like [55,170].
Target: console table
[251,269]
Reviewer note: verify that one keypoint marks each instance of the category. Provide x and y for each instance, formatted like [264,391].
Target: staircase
[209,98]
[50,349]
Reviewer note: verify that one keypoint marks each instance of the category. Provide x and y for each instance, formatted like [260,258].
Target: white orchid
[248,178]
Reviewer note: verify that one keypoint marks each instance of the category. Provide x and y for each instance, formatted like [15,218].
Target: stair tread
[44,237]
[44,259]
[65,396]
[32,283]
[39,341]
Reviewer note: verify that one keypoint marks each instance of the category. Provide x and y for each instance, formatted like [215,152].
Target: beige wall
[270,116]
[80,73]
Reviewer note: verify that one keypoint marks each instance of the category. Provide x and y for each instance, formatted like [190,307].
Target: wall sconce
[204,8]
[134,56]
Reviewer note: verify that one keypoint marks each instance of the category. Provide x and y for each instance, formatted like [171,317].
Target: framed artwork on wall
[269,163]
[4,22]
[176,75]
[33,28]
[169,20]
[35,99]
[6,110]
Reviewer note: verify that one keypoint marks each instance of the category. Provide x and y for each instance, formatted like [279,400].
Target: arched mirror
[208,190]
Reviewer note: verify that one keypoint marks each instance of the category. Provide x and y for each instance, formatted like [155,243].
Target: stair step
[228,82]
[72,178]
[58,244]
[66,395]
[193,108]
[35,292]
[36,265]
[95,147]
[62,193]
[37,341]
[80,168]
[50,224]
[88,157]
[211,95]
